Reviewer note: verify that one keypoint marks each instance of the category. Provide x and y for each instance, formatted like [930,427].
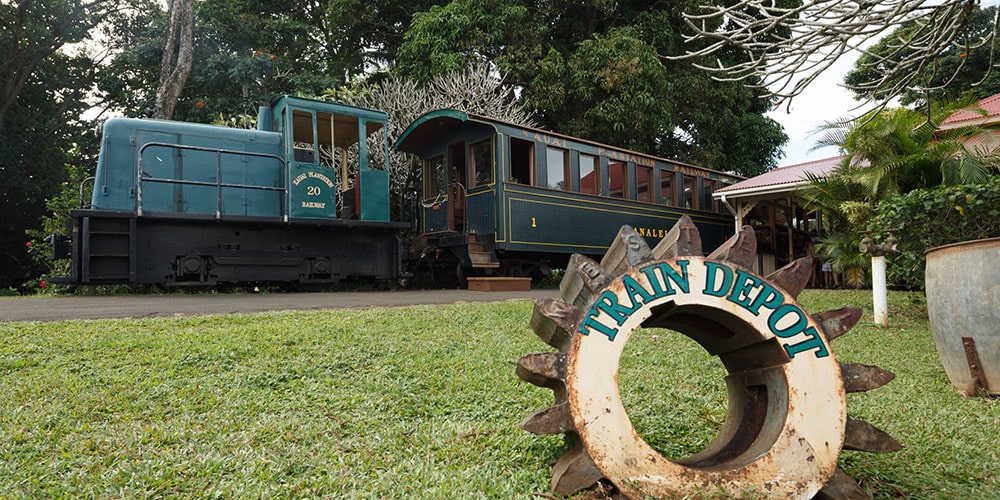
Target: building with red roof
[988,115]
[768,202]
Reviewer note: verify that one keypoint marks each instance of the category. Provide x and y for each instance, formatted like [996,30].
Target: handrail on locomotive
[218,184]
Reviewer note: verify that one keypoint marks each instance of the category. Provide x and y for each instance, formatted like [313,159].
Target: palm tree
[897,150]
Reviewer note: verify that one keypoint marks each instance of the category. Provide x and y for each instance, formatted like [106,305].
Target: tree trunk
[178,55]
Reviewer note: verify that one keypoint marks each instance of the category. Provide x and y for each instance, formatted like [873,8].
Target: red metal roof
[786,176]
[991,105]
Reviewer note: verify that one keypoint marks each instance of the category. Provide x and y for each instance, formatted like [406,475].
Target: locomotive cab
[326,157]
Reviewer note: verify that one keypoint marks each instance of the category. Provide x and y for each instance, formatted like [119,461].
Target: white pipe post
[879,294]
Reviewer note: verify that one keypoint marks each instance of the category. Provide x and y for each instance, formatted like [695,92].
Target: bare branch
[478,88]
[786,49]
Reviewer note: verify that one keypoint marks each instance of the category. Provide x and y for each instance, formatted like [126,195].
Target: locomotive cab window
[522,161]
[481,153]
[332,140]
[303,136]
[556,165]
[590,174]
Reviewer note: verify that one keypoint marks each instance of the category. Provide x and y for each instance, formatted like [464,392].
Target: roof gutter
[761,190]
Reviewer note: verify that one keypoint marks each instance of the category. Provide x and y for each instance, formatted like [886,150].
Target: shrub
[927,218]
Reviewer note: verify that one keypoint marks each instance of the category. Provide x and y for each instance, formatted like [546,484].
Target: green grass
[416,402]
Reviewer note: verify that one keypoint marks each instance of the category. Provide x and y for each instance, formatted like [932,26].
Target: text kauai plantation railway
[303,200]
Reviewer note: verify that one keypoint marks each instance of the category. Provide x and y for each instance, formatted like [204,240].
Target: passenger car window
[482,162]
[556,165]
[435,177]
[522,161]
[690,194]
[707,188]
[590,174]
[643,183]
[666,188]
[617,179]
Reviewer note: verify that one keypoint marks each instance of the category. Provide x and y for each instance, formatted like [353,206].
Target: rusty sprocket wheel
[787,421]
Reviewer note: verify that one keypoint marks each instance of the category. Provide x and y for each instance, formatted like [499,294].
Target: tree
[819,32]
[366,34]
[897,150]
[926,218]
[36,31]
[178,55]
[846,205]
[599,72]
[954,73]
[42,90]
[247,52]
[888,152]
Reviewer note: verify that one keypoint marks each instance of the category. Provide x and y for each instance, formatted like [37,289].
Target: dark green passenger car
[509,200]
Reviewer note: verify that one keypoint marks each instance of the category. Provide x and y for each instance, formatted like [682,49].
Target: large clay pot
[963,300]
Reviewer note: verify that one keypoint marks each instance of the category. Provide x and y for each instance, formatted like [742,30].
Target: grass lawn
[415,402]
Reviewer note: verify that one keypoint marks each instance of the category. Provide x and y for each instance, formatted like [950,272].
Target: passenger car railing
[83,185]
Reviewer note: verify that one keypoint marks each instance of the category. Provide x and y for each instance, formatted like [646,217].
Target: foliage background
[926,218]
[958,69]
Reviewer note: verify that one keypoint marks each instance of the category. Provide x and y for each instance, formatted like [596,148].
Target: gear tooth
[794,277]
[555,419]
[553,321]
[863,436]
[860,378]
[574,471]
[578,288]
[740,250]
[544,369]
[627,250]
[571,279]
[682,240]
[836,322]
[841,487]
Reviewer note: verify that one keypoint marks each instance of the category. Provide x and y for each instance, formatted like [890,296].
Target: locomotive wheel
[448,275]
[787,419]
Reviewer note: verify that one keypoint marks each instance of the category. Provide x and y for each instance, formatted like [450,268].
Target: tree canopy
[246,53]
[958,70]
[602,72]
[43,85]
[889,152]
[790,45]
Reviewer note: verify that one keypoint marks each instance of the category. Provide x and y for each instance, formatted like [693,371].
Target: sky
[824,100]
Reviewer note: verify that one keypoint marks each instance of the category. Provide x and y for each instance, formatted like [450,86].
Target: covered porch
[769,204]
